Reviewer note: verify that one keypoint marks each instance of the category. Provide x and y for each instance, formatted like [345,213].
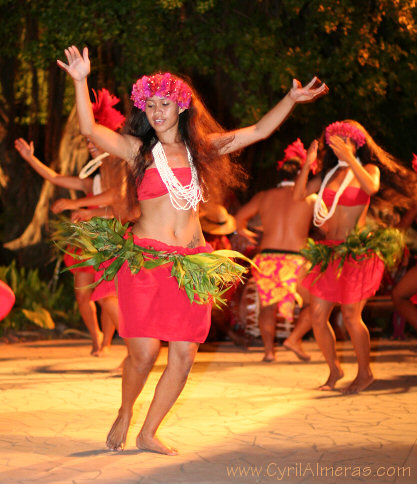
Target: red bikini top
[152,185]
[351,197]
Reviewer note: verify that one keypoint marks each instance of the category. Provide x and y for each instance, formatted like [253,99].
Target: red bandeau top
[152,185]
[351,197]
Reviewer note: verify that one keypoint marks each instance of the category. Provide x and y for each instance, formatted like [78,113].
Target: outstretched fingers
[78,66]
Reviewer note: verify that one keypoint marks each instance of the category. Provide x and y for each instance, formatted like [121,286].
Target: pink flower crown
[161,85]
[294,150]
[345,130]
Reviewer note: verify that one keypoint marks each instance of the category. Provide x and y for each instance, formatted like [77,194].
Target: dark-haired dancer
[175,149]
[352,166]
[101,195]
[286,226]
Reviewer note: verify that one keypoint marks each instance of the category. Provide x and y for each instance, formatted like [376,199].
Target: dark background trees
[240,54]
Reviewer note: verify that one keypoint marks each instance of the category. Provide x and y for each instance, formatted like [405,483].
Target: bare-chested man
[286,224]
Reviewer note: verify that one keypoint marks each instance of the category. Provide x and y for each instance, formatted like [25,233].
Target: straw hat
[215,220]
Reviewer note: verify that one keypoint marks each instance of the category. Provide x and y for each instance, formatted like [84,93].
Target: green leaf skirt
[106,245]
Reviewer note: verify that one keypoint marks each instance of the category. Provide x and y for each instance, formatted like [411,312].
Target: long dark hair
[398,184]
[217,173]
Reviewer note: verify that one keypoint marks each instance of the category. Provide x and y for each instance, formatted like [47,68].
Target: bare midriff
[161,221]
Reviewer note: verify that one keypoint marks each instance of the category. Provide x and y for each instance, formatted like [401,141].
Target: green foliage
[387,243]
[36,304]
[204,277]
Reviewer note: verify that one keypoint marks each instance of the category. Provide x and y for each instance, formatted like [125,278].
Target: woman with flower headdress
[102,196]
[176,150]
[347,267]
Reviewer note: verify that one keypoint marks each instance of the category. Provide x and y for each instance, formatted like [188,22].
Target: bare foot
[116,438]
[269,357]
[104,350]
[359,383]
[95,350]
[153,444]
[297,349]
[331,381]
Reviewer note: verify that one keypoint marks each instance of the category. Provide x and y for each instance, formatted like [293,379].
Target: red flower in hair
[104,112]
[294,150]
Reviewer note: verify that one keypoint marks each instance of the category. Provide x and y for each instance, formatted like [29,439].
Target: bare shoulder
[372,169]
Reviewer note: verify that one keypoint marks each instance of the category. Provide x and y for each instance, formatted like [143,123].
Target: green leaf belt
[205,277]
[386,242]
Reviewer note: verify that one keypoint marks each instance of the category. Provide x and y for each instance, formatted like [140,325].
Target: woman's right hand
[78,66]
[25,150]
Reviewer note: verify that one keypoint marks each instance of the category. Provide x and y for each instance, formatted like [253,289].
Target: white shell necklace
[321,214]
[183,197]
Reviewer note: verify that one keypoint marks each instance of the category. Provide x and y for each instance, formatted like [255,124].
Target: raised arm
[304,188]
[271,121]
[368,175]
[78,67]
[26,151]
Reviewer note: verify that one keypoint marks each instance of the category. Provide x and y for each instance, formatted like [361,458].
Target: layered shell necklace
[183,197]
[321,214]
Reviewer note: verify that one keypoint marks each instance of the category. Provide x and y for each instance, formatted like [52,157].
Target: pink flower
[161,85]
[345,130]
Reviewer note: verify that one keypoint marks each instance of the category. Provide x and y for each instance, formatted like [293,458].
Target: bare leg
[359,335]
[303,325]
[142,353]
[401,295]
[294,340]
[323,332]
[109,321]
[267,323]
[181,356]
[87,308]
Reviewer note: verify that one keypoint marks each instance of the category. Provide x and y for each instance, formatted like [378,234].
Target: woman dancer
[105,113]
[175,149]
[352,165]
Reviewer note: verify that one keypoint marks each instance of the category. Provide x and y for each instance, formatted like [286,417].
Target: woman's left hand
[313,90]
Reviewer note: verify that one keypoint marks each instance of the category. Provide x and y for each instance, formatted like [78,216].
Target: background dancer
[176,150]
[92,186]
[353,167]
[286,225]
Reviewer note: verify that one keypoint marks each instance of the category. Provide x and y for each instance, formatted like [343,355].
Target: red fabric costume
[7,299]
[355,281]
[151,305]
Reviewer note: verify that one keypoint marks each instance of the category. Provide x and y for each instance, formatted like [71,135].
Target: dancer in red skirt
[176,150]
[347,273]
[101,196]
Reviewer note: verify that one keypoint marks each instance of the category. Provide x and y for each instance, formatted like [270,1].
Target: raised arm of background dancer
[78,67]
[303,188]
[368,175]
[103,199]
[243,216]
[26,151]
[271,121]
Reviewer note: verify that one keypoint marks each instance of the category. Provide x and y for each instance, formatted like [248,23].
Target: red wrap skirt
[151,305]
[104,289]
[356,281]
[70,261]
